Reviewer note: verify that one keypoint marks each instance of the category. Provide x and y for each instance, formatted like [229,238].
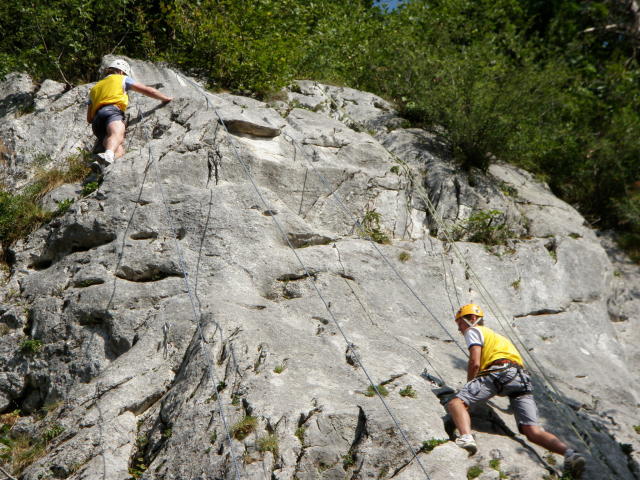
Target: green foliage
[244,427]
[485,226]
[429,445]
[637,429]
[371,391]
[64,205]
[300,434]
[90,188]
[279,368]
[268,443]
[21,450]
[408,391]
[474,472]
[371,228]
[52,432]
[30,346]
[348,460]
[138,467]
[19,216]
[550,86]
[494,463]
[404,256]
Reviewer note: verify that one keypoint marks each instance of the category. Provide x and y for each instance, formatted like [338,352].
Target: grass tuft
[244,427]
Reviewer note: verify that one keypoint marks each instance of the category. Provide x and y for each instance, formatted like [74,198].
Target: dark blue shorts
[104,116]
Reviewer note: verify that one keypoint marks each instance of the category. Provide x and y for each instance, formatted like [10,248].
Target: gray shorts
[103,117]
[504,382]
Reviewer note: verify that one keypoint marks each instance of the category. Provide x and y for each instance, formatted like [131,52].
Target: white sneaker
[574,463]
[106,157]
[468,443]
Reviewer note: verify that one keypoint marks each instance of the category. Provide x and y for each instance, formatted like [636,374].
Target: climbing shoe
[106,158]
[468,443]
[574,463]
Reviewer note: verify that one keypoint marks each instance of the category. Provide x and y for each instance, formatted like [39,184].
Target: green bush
[485,226]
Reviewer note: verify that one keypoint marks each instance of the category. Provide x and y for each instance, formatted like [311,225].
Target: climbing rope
[363,233]
[196,317]
[197,320]
[350,345]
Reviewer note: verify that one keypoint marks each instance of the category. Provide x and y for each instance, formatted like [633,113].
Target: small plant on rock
[279,368]
[429,445]
[404,257]
[348,460]
[30,346]
[138,468]
[371,228]
[300,434]
[89,188]
[64,205]
[474,472]
[408,391]
[268,443]
[52,432]
[371,391]
[244,427]
[637,429]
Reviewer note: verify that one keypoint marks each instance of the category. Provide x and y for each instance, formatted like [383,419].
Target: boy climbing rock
[495,367]
[108,100]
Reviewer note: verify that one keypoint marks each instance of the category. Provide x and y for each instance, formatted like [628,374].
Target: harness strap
[524,379]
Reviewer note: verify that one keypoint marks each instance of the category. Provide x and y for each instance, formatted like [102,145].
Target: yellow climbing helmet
[469,309]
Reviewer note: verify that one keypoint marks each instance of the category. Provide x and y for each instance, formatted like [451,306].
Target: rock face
[216,308]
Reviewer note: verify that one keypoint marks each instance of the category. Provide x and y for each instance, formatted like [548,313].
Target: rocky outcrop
[216,308]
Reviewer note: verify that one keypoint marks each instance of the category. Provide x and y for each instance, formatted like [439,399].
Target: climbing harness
[500,378]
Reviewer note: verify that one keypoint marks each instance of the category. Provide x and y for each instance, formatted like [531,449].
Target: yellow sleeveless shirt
[496,347]
[109,91]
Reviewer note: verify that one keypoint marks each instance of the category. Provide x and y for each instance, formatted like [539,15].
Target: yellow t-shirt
[494,346]
[109,91]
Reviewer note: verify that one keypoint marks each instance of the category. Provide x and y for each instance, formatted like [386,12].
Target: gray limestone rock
[207,312]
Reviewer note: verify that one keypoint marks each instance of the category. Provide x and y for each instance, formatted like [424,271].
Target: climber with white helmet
[495,367]
[108,100]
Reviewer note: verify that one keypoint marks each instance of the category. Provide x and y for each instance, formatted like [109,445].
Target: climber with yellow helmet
[108,100]
[495,367]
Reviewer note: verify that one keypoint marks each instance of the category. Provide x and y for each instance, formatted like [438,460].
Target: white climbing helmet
[121,65]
